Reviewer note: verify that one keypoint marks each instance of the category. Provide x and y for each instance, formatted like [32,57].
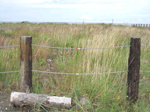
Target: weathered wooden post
[25,63]
[133,69]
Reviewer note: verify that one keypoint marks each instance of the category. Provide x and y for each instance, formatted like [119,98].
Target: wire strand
[9,46]
[74,73]
[145,45]
[78,73]
[72,48]
[9,72]
[144,71]
[79,48]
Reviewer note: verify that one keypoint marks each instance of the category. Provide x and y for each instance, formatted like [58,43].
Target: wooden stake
[26,63]
[133,69]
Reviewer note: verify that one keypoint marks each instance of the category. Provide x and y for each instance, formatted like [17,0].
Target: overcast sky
[122,11]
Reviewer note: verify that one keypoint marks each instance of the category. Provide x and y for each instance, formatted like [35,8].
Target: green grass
[106,92]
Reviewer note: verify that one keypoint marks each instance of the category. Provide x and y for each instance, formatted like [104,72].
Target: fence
[141,25]
[133,65]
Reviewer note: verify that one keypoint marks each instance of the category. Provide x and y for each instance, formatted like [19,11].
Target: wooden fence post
[139,25]
[25,63]
[133,69]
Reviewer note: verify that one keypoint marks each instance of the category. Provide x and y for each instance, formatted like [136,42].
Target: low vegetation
[106,92]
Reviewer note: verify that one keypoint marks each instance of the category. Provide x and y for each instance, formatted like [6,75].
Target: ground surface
[4,102]
[5,105]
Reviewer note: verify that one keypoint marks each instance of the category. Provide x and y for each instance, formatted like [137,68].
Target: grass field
[107,92]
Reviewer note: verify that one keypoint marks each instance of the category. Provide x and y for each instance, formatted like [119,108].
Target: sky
[89,11]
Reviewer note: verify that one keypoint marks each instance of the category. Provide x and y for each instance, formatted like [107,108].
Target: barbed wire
[78,73]
[145,45]
[9,72]
[144,71]
[79,48]
[9,46]
[74,73]
[72,48]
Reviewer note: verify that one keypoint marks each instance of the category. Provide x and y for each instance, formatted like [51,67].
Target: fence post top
[26,36]
[135,38]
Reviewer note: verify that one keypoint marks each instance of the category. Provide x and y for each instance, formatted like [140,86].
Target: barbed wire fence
[72,49]
[133,64]
[14,46]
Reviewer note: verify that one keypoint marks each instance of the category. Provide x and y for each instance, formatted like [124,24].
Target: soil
[5,105]
[4,102]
